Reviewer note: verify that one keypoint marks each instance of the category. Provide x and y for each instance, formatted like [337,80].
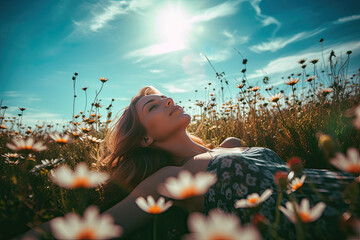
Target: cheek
[157,123]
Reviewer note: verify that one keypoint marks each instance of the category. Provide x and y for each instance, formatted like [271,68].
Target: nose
[169,102]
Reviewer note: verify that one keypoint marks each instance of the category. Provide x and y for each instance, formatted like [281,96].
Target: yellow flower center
[253,200]
[27,147]
[86,233]
[155,209]
[219,236]
[81,182]
[188,192]
[297,185]
[61,140]
[305,217]
[353,168]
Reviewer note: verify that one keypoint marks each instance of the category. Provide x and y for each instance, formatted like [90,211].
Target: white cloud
[265,20]
[185,85]
[156,70]
[233,38]
[221,10]
[285,64]
[20,97]
[281,42]
[347,19]
[32,116]
[156,49]
[219,56]
[103,12]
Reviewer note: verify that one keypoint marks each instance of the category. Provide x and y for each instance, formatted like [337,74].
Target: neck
[181,147]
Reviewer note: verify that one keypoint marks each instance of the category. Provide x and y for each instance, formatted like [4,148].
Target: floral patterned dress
[252,171]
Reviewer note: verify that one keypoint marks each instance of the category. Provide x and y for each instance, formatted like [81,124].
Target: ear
[146,141]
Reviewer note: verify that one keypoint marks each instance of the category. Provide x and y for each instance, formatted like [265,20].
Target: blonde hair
[126,160]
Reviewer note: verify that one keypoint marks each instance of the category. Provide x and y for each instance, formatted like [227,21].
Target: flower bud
[260,222]
[295,164]
[281,180]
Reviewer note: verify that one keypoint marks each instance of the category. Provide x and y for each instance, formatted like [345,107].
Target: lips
[174,109]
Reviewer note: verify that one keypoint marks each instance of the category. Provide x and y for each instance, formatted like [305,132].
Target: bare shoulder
[231,142]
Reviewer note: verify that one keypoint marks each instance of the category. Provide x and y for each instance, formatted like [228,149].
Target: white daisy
[219,225]
[64,139]
[253,199]
[187,185]
[94,139]
[295,184]
[92,226]
[26,145]
[81,177]
[305,213]
[150,206]
[350,164]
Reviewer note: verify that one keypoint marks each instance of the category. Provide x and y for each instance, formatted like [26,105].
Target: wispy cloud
[34,116]
[265,20]
[347,19]
[221,10]
[224,54]
[156,49]
[156,70]
[285,64]
[19,97]
[103,12]
[281,42]
[233,38]
[185,85]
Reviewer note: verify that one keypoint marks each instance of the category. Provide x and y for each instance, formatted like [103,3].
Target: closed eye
[152,107]
[162,96]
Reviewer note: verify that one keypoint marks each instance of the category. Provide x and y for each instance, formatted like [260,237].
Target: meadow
[313,115]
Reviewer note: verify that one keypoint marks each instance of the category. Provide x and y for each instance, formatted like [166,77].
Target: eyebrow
[151,100]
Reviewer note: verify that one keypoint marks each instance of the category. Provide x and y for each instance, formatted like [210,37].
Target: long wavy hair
[123,157]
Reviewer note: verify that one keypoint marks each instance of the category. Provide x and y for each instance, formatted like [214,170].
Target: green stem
[277,214]
[154,228]
[62,199]
[298,225]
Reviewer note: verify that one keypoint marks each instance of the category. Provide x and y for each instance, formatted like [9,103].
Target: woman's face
[154,113]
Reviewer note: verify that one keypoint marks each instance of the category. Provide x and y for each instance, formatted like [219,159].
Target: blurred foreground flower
[219,225]
[150,206]
[26,145]
[61,139]
[91,226]
[81,177]
[305,213]
[253,199]
[295,184]
[187,185]
[350,164]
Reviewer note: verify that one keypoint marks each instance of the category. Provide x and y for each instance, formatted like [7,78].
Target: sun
[173,26]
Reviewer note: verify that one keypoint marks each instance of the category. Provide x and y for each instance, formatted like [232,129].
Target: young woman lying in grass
[149,145]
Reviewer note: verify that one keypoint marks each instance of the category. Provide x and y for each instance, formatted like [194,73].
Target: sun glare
[173,27]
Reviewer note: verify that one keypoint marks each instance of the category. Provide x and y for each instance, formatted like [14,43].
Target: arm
[231,142]
[126,213]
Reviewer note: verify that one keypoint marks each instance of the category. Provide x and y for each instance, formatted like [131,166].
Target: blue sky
[137,43]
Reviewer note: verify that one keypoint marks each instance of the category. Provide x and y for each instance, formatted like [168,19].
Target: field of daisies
[312,120]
